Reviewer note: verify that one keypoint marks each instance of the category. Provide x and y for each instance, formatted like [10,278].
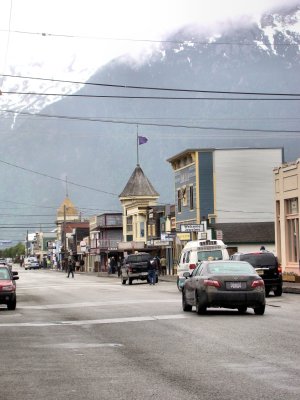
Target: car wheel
[123,281]
[185,306]
[200,309]
[242,310]
[259,310]
[278,291]
[12,304]
[129,281]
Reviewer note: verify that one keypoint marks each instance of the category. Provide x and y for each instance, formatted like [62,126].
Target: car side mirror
[186,274]
[15,273]
[15,278]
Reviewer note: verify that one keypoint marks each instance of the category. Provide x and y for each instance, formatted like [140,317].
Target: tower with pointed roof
[67,212]
[137,196]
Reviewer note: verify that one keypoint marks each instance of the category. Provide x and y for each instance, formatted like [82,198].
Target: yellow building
[287,234]
[137,196]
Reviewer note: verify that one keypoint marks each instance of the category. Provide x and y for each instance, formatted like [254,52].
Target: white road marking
[94,321]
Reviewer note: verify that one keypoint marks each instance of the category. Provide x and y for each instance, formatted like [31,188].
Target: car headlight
[8,288]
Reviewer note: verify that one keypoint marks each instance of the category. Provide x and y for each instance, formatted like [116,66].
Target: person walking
[81,265]
[163,264]
[151,267]
[71,268]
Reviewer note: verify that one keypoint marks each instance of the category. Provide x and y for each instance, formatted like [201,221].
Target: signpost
[191,228]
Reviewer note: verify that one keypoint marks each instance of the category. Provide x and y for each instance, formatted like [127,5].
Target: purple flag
[142,139]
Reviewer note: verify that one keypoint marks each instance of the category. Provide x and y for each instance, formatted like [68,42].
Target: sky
[59,38]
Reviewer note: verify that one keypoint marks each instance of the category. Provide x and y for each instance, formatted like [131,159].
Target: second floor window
[191,197]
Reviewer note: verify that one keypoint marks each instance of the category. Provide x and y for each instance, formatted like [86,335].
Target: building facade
[287,233]
[224,186]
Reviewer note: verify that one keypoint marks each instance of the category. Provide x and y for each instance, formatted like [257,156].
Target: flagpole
[137,144]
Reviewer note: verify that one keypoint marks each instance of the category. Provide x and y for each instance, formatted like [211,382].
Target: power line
[182,41]
[112,121]
[118,97]
[55,178]
[150,87]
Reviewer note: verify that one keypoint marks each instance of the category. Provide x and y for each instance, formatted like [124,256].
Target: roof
[139,185]
[71,210]
[247,232]
[212,149]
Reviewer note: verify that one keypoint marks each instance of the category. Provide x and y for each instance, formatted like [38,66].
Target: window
[191,197]
[292,226]
[129,224]
[184,196]
[179,200]
[142,229]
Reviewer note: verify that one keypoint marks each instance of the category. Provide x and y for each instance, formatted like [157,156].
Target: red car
[8,287]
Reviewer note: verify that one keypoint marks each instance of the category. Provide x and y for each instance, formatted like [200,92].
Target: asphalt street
[93,338]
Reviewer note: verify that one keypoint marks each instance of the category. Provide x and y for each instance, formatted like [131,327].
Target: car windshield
[209,255]
[230,268]
[4,274]
[260,259]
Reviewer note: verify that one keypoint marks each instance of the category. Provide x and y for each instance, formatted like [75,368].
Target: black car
[267,266]
[135,267]
[228,284]
[8,287]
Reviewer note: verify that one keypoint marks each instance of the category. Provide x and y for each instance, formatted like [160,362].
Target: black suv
[266,265]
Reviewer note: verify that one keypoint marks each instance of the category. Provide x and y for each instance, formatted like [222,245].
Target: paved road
[93,338]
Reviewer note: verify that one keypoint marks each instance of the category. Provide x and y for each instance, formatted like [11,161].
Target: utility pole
[26,244]
[64,233]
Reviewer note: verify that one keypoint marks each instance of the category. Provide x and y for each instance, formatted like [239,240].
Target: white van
[196,251]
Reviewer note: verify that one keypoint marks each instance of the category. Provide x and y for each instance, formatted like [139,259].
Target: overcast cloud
[24,47]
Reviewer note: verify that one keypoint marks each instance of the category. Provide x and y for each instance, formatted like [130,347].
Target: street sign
[191,228]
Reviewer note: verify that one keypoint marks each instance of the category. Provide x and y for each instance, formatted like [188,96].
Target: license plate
[260,271]
[235,285]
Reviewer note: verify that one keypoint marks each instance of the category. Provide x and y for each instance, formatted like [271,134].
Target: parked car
[2,261]
[9,262]
[135,266]
[31,263]
[267,266]
[8,287]
[196,251]
[228,284]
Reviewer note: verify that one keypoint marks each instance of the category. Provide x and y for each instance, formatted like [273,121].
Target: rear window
[260,259]
[230,268]
[209,255]
[136,258]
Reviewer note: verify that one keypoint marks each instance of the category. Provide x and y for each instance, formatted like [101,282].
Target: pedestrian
[81,265]
[151,267]
[158,264]
[77,265]
[163,263]
[112,265]
[71,268]
[119,264]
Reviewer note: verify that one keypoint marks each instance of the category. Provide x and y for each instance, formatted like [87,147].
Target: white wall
[249,248]
[244,184]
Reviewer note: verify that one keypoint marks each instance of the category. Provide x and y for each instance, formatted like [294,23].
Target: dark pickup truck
[135,267]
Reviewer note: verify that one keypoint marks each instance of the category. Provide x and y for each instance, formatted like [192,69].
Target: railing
[104,243]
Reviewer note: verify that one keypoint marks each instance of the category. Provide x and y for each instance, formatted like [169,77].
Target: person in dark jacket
[151,266]
[71,268]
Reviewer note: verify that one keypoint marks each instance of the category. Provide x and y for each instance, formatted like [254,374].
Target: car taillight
[257,283]
[208,282]
[192,266]
[279,269]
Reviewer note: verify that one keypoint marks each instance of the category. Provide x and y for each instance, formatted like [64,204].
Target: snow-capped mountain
[262,57]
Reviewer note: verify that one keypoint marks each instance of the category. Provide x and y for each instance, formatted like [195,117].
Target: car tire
[12,304]
[129,281]
[185,306]
[242,310]
[178,287]
[200,309]
[278,291]
[123,281]
[259,310]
